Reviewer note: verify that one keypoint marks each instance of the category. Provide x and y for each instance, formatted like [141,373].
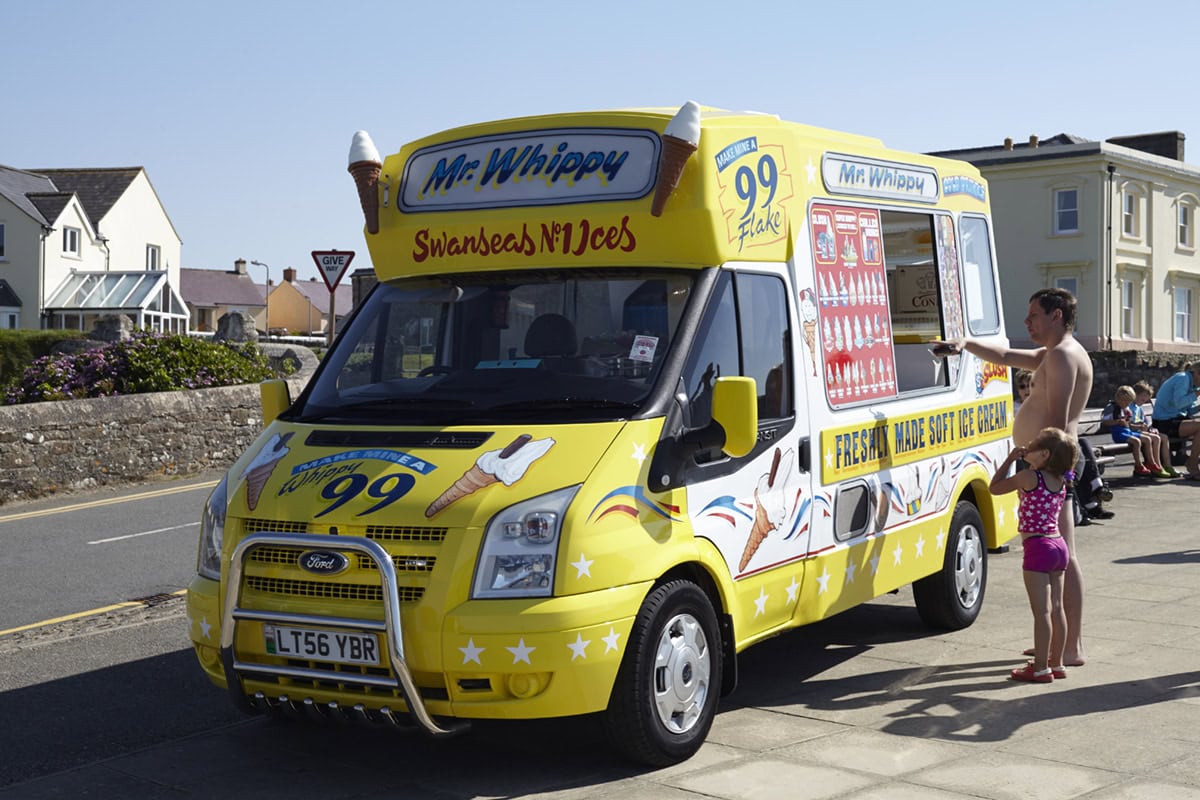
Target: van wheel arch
[697,574]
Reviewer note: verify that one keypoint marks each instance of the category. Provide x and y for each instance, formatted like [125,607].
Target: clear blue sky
[242,111]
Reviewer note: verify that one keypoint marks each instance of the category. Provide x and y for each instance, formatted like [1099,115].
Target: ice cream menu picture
[852,301]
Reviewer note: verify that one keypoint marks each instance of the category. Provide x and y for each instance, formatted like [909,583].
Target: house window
[152,257]
[1128,307]
[1,241]
[8,319]
[1070,284]
[71,241]
[1186,217]
[1183,314]
[1129,214]
[1066,211]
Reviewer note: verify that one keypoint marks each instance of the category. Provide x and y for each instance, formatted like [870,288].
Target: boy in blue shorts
[1125,422]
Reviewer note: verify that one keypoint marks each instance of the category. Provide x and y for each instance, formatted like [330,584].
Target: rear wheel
[665,695]
[952,597]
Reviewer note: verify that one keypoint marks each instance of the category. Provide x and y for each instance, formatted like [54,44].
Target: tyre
[665,696]
[952,597]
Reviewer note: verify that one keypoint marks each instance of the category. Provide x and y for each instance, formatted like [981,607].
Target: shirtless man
[1062,384]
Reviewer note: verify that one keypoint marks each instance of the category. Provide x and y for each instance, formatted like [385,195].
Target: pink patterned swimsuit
[1037,520]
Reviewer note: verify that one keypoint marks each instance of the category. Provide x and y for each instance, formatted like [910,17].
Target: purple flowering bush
[146,362]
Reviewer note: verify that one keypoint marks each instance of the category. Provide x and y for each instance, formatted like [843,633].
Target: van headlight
[520,547]
[212,533]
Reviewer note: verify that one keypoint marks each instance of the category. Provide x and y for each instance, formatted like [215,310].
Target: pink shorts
[1045,554]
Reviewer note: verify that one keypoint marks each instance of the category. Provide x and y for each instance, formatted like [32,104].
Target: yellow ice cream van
[635,390]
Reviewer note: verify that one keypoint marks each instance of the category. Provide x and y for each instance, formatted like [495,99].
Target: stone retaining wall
[78,444]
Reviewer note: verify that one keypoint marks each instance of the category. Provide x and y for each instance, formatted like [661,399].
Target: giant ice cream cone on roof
[679,141]
[365,166]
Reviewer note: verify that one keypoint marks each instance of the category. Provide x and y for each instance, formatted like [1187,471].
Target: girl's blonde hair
[1124,393]
[1064,450]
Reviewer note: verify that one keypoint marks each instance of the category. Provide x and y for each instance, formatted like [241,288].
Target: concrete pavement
[870,704]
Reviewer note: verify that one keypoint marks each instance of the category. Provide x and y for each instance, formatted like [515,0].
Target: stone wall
[77,444]
[1113,368]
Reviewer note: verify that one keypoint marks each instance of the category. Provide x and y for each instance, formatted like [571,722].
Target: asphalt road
[867,705]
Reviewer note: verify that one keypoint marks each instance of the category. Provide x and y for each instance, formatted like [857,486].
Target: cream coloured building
[1114,222]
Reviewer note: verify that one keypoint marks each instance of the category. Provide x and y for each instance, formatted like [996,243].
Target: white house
[1114,222]
[76,244]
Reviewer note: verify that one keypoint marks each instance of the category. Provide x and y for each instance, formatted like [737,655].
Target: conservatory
[147,298]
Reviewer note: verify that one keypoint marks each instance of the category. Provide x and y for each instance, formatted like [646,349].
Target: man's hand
[941,348]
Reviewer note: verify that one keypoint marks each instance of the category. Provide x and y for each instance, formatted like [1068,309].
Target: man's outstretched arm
[997,354]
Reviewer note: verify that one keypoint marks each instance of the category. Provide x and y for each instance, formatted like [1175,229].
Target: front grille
[289,587]
[288,556]
[405,533]
[253,525]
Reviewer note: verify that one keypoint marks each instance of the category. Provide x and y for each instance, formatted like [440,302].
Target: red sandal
[1027,674]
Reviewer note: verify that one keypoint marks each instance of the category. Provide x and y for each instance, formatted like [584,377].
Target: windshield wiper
[561,404]
[411,402]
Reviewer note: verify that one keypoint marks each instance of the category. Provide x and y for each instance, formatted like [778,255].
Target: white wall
[136,220]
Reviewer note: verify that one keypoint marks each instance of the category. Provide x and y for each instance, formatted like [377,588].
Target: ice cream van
[634,391]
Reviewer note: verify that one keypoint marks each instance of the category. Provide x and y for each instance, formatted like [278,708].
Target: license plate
[344,647]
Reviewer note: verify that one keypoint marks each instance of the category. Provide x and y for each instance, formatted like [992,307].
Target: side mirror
[275,399]
[735,410]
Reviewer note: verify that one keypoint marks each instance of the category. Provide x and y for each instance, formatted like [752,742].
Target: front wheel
[952,597]
[665,696]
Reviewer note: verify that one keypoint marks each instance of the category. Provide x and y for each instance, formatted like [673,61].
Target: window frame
[2,242]
[1185,222]
[72,241]
[1057,228]
[1131,212]
[993,297]
[1186,315]
[153,258]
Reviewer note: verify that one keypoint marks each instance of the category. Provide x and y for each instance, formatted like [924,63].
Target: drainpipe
[1108,257]
[46,231]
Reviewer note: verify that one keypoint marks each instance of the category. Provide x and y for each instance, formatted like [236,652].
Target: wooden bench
[1089,425]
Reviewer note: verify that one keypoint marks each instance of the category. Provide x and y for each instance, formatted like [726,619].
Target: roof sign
[531,168]
[870,177]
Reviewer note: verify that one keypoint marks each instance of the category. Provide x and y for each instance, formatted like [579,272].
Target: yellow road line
[81,614]
[108,502]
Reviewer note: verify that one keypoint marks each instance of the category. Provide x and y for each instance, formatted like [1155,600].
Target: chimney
[1008,143]
[289,275]
[1168,144]
[239,266]
[1033,140]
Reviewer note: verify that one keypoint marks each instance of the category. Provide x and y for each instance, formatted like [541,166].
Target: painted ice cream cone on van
[771,503]
[808,320]
[259,470]
[508,465]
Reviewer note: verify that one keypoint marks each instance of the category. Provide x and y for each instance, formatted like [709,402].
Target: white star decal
[811,169]
[579,646]
[941,539]
[898,552]
[760,602]
[829,459]
[205,628]
[823,579]
[875,564]
[792,588]
[610,641]
[850,572]
[521,652]
[583,566]
[920,546]
[1000,516]
[471,652]
[639,452]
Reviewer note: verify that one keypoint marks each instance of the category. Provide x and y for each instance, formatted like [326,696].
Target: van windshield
[493,347]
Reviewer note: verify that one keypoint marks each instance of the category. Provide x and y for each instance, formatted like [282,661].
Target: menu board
[852,301]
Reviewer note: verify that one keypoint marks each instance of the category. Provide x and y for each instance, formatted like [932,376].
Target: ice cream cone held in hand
[679,141]
[507,465]
[259,470]
[365,166]
[775,495]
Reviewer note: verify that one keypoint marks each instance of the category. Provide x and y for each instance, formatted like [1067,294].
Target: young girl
[1043,487]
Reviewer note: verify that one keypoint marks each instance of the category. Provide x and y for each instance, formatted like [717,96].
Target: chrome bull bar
[232,611]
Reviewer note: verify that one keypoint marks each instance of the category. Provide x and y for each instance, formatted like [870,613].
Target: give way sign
[332,264]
